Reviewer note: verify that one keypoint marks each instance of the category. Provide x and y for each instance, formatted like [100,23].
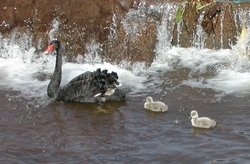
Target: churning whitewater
[25,70]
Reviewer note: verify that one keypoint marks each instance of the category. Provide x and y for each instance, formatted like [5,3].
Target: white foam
[230,73]
[20,70]
[231,82]
[24,70]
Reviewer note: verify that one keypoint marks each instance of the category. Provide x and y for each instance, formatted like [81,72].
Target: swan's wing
[82,77]
[79,90]
[162,106]
[84,87]
[205,122]
[155,107]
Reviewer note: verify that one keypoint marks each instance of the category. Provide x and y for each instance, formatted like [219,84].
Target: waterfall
[200,34]
[165,31]
[54,31]
[242,20]
[221,28]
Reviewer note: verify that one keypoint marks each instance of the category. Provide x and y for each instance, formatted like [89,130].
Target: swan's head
[194,114]
[53,45]
[149,99]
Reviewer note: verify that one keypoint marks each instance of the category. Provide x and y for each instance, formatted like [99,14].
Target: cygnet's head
[194,114]
[149,99]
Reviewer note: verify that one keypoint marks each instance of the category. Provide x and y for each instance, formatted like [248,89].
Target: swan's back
[203,122]
[155,106]
[78,89]
[84,87]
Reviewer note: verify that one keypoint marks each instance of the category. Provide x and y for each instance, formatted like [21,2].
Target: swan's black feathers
[84,87]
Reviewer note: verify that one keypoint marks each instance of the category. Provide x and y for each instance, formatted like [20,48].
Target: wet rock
[217,22]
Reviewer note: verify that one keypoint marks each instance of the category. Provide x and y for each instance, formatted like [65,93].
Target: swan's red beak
[50,48]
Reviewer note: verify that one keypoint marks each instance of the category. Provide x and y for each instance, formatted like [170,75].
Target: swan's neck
[54,84]
[195,119]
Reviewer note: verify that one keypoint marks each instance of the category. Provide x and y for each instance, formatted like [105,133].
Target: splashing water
[222,27]
[23,69]
[200,36]
[224,71]
[53,33]
[243,44]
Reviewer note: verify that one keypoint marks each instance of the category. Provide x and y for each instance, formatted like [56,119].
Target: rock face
[217,22]
[82,21]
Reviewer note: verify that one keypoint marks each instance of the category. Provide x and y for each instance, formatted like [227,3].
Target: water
[35,129]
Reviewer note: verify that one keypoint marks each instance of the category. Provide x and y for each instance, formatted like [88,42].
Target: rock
[81,22]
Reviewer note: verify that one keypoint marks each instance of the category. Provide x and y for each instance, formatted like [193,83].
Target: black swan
[89,87]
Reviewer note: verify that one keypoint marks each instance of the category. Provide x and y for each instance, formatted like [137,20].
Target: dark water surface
[124,132]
